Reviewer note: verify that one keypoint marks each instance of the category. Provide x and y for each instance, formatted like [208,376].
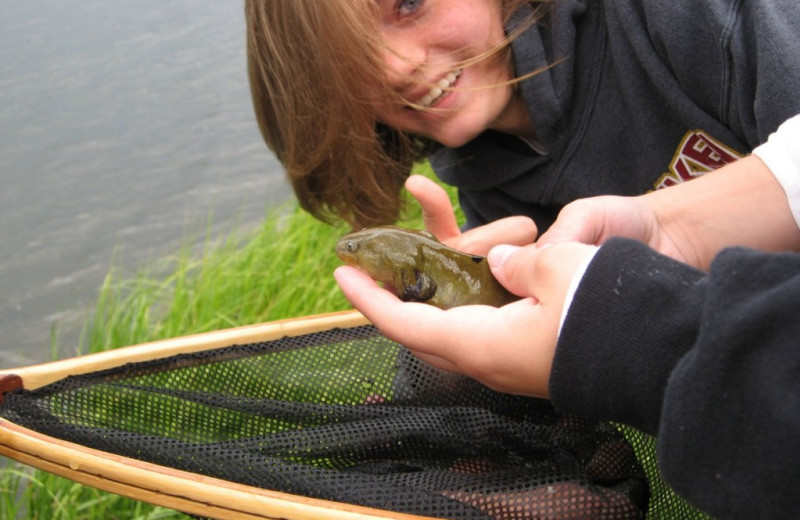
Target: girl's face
[427,42]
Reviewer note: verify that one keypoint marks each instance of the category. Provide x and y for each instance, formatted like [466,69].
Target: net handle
[36,376]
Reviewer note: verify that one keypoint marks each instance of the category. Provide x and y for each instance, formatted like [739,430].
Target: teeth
[437,90]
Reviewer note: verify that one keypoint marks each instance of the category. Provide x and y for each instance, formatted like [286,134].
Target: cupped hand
[509,348]
[440,219]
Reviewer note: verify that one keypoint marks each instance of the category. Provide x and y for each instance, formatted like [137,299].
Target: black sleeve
[708,362]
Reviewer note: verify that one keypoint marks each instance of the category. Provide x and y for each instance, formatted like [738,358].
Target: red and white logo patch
[697,154]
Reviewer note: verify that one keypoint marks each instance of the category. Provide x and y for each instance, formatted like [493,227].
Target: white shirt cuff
[573,287]
[781,154]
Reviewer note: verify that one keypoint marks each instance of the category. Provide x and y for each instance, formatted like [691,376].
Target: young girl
[524,106]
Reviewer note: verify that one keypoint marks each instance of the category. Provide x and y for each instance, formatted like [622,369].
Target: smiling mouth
[438,90]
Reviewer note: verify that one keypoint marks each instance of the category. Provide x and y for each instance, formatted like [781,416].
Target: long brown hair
[310,63]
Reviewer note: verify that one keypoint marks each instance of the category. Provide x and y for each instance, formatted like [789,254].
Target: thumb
[578,221]
[513,266]
[541,272]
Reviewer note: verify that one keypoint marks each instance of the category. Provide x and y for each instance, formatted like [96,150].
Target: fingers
[388,313]
[438,337]
[439,219]
[437,211]
[362,291]
[516,230]
[509,349]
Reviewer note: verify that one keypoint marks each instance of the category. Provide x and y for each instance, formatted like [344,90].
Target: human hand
[596,219]
[509,348]
[440,219]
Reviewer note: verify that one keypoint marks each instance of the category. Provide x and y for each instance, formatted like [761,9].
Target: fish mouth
[438,89]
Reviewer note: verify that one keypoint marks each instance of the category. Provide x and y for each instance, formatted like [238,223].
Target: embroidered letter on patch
[697,154]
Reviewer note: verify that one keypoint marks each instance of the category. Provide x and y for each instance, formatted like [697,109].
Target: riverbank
[282,269]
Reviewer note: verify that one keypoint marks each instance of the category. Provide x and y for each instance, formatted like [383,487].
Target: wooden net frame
[180,490]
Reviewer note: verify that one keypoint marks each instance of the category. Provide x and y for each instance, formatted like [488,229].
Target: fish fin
[424,233]
[429,235]
[417,287]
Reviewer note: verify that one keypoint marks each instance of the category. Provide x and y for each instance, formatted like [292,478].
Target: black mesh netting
[348,415]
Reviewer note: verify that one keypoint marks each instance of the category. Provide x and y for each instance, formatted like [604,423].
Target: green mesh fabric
[349,416]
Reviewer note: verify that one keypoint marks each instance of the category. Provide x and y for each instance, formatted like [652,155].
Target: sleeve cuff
[781,154]
[573,286]
[633,316]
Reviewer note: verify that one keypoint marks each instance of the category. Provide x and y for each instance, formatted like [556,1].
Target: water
[123,125]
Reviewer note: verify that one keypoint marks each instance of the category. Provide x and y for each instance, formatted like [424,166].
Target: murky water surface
[123,125]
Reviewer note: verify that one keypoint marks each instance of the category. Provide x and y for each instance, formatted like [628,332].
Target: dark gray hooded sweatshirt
[640,95]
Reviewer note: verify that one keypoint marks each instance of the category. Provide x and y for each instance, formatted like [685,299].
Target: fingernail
[498,254]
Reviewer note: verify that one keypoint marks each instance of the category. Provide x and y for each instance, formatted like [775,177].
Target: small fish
[422,269]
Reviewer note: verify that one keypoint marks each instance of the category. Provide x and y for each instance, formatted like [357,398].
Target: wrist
[782,156]
[732,206]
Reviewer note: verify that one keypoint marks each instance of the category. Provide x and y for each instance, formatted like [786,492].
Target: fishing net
[348,415]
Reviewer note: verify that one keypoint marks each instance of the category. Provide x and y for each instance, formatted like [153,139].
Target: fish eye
[351,246]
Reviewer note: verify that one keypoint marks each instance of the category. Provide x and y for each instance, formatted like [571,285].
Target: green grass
[280,270]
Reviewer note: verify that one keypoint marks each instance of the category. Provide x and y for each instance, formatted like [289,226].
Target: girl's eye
[408,7]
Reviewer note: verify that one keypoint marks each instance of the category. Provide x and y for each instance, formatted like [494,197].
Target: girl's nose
[402,63]
[399,68]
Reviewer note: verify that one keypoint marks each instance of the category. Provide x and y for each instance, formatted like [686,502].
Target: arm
[743,203]
[781,154]
[707,362]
